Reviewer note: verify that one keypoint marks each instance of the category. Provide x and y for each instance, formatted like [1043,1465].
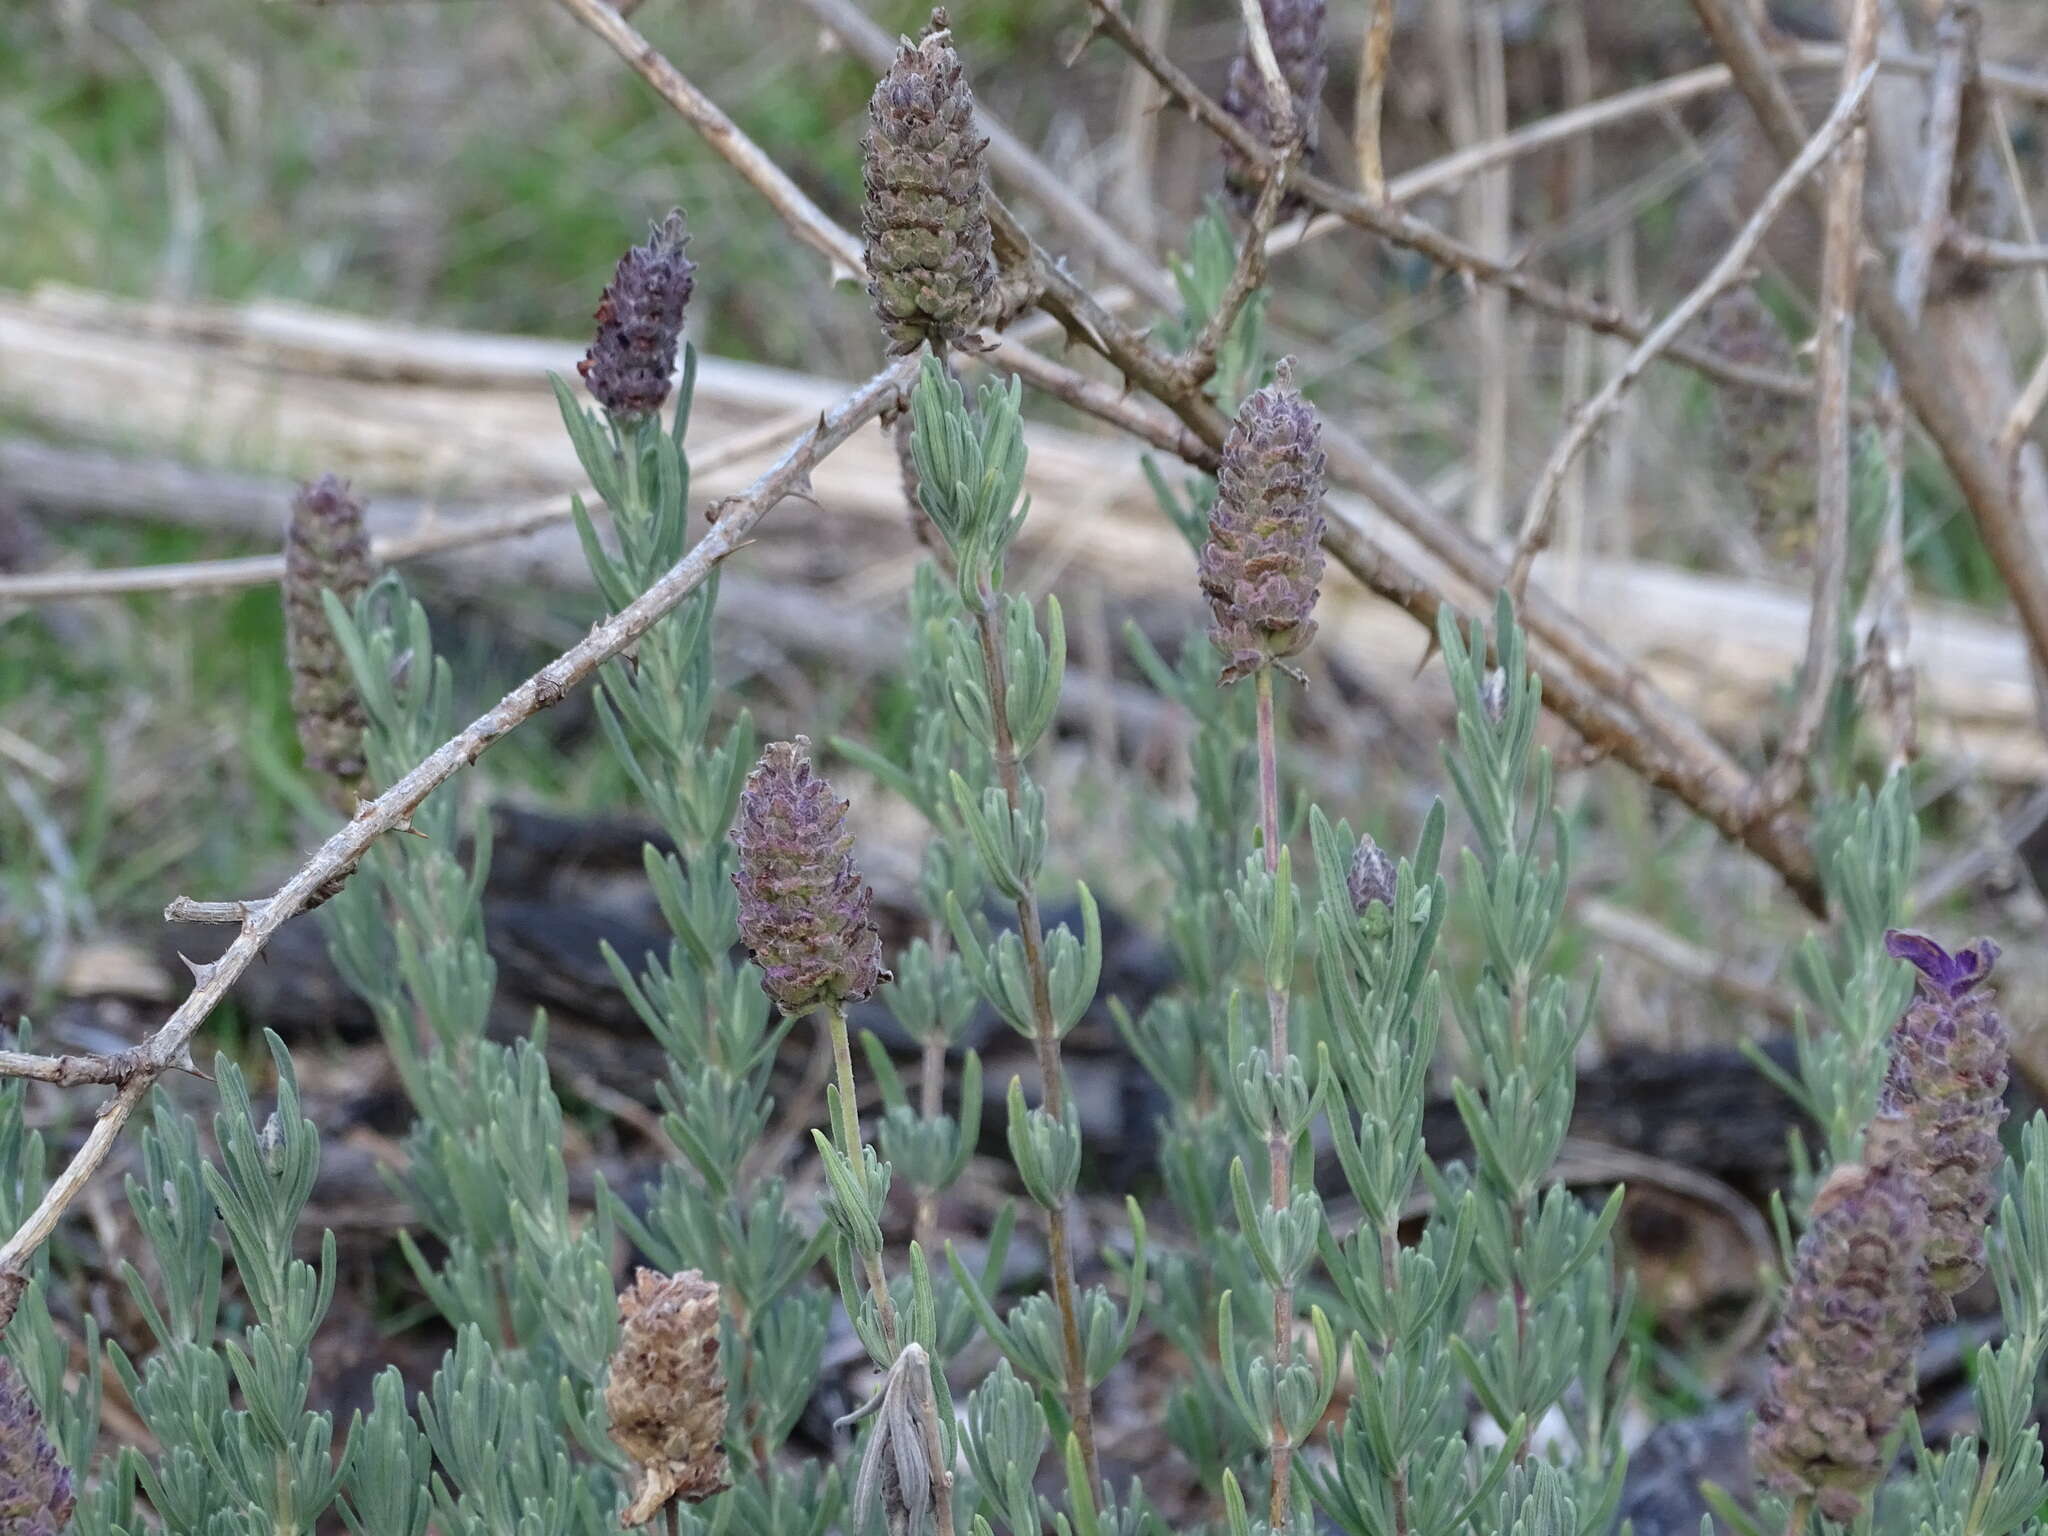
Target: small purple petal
[1946,975]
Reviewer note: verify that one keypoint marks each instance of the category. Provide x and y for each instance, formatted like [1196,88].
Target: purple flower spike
[1842,1354]
[1295,29]
[326,547]
[803,906]
[35,1487]
[1942,974]
[1946,1080]
[638,322]
[1264,558]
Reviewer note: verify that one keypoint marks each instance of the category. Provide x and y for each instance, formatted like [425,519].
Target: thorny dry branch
[169,1047]
[1538,515]
[1391,223]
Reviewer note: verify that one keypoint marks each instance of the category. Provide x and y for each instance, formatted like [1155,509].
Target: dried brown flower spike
[1295,28]
[326,548]
[666,1395]
[1264,557]
[930,258]
[639,320]
[1842,1354]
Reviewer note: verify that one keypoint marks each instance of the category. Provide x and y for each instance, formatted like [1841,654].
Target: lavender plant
[1002,678]
[703,1002]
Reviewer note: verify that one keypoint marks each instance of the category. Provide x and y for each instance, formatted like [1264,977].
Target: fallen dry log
[463,421]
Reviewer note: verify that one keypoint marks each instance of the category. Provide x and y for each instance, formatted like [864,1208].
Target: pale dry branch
[1493,203]
[1375,52]
[1246,278]
[1684,959]
[1841,256]
[1279,97]
[1391,223]
[2012,434]
[1889,598]
[432,535]
[71,1071]
[1538,514]
[1982,251]
[805,218]
[1137,137]
[169,1046]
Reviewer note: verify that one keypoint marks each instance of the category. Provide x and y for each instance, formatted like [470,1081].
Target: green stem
[1390,1280]
[1279,1151]
[1046,1040]
[855,1152]
[930,1103]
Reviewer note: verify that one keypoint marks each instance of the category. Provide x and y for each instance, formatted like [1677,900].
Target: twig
[1683,959]
[1926,381]
[1888,601]
[1137,135]
[2012,436]
[1279,95]
[1655,96]
[430,536]
[169,1045]
[1404,229]
[1493,197]
[1246,278]
[805,219]
[72,1071]
[1575,369]
[1841,255]
[1537,515]
[1375,51]
[1982,251]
